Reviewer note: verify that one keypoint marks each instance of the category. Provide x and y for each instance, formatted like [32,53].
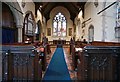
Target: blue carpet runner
[57,69]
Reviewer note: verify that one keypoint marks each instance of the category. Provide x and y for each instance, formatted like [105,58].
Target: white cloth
[78,49]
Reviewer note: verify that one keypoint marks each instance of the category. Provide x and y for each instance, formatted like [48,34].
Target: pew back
[98,43]
[99,63]
[20,62]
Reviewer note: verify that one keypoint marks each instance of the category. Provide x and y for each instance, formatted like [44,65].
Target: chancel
[60,41]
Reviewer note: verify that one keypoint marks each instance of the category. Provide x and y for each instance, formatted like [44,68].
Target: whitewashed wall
[78,22]
[69,22]
[91,12]
[110,25]
[105,20]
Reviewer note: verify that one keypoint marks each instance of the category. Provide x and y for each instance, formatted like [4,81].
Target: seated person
[45,43]
[39,48]
[84,41]
[36,44]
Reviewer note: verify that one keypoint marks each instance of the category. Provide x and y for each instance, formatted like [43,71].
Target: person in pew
[84,41]
[41,54]
[72,40]
[44,39]
[39,47]
[40,51]
[59,42]
[78,40]
[45,43]
[36,44]
[48,47]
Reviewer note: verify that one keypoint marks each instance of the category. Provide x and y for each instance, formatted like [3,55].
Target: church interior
[48,40]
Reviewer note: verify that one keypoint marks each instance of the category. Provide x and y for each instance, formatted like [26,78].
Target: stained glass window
[59,25]
[28,24]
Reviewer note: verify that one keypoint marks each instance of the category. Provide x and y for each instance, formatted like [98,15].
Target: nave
[32,32]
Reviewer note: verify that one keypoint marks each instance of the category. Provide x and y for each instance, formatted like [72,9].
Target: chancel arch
[64,16]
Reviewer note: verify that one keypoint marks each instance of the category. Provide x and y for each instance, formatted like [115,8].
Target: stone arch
[17,14]
[30,12]
[29,27]
[9,30]
[59,9]
[69,22]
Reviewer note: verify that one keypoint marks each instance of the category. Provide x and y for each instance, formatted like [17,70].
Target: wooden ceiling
[73,8]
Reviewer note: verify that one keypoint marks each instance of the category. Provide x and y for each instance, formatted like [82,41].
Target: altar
[59,42]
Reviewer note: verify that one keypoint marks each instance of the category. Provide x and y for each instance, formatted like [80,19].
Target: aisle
[57,69]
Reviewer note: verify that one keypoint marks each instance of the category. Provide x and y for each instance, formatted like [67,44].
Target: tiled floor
[68,59]
[49,56]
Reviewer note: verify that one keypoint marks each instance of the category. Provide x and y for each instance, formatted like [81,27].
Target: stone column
[20,33]
[78,29]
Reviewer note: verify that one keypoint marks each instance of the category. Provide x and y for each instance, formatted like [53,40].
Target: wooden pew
[73,56]
[80,44]
[44,59]
[74,53]
[99,63]
[43,49]
[98,43]
[20,62]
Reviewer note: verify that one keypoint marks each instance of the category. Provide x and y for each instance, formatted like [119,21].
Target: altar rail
[20,63]
[55,42]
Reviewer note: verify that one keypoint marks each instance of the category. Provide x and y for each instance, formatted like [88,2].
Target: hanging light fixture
[96,3]
[23,3]
[40,7]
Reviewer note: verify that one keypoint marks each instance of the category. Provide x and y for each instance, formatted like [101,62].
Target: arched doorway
[9,30]
[91,33]
[29,27]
